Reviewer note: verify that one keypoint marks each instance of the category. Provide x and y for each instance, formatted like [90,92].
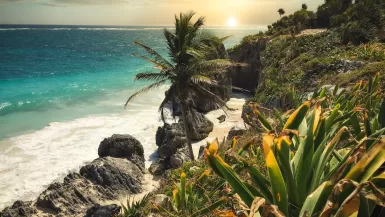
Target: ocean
[62,90]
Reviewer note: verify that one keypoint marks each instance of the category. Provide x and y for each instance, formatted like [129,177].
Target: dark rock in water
[200,127]
[123,146]
[222,118]
[235,131]
[19,209]
[72,197]
[117,174]
[248,76]
[103,211]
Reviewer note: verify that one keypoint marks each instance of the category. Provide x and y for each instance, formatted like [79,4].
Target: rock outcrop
[248,77]
[103,211]
[200,127]
[171,140]
[72,197]
[19,208]
[123,146]
[118,172]
[235,131]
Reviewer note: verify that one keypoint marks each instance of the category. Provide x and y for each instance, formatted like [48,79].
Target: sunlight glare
[231,22]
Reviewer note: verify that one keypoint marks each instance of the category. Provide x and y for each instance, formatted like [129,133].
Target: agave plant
[315,163]
[192,199]
[133,208]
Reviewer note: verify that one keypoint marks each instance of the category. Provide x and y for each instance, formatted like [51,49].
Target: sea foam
[35,160]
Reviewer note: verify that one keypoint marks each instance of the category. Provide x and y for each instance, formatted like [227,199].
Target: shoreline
[150,183]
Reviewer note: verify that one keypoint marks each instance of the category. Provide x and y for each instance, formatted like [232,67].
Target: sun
[232,21]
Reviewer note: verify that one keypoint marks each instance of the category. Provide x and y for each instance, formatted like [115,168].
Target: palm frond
[157,57]
[212,95]
[146,89]
[158,65]
[197,79]
[221,40]
[215,65]
[151,76]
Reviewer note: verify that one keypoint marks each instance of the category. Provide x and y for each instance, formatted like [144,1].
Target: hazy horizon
[234,13]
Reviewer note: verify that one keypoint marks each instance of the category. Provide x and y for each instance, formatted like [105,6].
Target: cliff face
[248,77]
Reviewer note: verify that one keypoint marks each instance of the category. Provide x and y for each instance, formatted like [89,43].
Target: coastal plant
[191,198]
[188,69]
[315,164]
[133,208]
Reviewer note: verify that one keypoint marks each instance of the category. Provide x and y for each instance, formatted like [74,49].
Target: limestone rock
[248,76]
[72,197]
[114,173]
[170,138]
[123,146]
[19,209]
[103,211]
[235,131]
[180,157]
[200,127]
[158,167]
[222,118]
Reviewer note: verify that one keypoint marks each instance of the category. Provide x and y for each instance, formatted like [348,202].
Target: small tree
[281,12]
[304,6]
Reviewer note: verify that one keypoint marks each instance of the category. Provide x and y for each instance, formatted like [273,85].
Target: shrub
[322,161]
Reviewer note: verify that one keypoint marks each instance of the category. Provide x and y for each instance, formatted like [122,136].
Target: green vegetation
[322,161]
[133,208]
[312,150]
[189,71]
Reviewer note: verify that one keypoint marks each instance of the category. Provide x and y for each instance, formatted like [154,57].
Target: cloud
[64,3]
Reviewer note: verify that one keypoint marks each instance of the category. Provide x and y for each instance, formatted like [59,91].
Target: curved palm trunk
[186,127]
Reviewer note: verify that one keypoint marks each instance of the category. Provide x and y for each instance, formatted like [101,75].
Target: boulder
[170,138]
[123,146]
[117,174]
[222,118]
[235,131]
[72,197]
[103,211]
[19,209]
[158,167]
[180,157]
[161,165]
[199,126]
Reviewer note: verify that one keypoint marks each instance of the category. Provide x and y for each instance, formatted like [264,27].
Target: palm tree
[281,12]
[188,69]
[304,6]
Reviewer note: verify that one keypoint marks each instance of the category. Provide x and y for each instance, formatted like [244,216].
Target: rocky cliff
[118,171]
[249,51]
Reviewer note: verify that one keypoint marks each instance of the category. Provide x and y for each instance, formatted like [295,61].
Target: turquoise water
[62,91]
[56,74]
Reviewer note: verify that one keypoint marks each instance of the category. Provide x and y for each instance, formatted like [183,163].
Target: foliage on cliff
[358,21]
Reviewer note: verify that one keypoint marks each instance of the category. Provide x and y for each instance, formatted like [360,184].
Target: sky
[146,12]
